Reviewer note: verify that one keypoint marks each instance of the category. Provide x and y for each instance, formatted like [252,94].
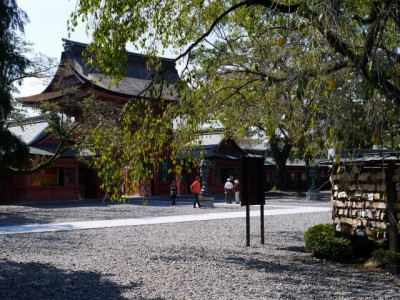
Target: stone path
[34,228]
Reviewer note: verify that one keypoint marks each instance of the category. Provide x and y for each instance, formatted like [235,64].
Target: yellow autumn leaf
[281,41]
[332,84]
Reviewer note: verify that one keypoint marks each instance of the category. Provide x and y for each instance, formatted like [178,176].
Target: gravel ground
[194,260]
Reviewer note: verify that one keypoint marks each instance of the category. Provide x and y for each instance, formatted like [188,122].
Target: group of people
[232,191]
[194,188]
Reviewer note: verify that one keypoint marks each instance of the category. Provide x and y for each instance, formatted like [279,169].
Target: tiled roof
[360,156]
[210,139]
[33,130]
[137,78]
[212,143]
[30,131]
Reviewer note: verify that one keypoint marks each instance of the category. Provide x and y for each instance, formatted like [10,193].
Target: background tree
[14,67]
[250,82]
[328,67]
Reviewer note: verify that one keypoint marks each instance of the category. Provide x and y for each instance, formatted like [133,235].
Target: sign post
[253,189]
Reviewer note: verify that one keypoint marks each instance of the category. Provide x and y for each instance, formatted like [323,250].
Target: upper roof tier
[73,73]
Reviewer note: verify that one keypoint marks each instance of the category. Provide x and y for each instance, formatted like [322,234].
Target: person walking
[174,191]
[236,189]
[228,191]
[195,188]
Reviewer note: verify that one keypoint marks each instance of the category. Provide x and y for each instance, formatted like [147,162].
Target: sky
[47,26]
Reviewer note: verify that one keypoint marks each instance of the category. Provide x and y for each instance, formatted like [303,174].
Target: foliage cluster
[321,242]
[386,257]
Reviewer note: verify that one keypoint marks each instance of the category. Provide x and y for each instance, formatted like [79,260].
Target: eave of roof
[50,150]
[47,96]
[361,160]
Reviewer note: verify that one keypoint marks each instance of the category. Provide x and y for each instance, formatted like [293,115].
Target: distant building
[74,80]
[225,155]
[65,179]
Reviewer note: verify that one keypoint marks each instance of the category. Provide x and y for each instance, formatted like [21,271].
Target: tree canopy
[12,66]
[324,73]
[363,35]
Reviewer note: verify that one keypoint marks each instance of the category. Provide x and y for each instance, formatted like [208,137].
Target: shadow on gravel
[326,277]
[16,218]
[43,281]
[77,204]
[299,249]
[261,265]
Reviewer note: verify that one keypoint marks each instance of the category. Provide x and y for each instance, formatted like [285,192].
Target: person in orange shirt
[195,188]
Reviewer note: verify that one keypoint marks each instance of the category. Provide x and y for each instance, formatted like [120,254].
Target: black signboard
[252,189]
[252,181]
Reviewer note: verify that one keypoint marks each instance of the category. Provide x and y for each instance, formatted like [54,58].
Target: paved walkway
[34,228]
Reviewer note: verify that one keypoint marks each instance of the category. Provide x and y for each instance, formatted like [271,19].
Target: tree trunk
[280,182]
[280,156]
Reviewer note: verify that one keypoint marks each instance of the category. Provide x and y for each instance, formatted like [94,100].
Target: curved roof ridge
[130,53]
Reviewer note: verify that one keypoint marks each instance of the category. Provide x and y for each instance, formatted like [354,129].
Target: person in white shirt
[228,191]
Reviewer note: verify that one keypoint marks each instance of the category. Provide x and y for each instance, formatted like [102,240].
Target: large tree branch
[341,47]
[328,70]
[248,3]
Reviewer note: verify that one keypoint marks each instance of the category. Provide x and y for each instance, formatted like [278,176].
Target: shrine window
[55,176]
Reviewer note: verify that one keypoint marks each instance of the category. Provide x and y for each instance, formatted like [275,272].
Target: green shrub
[386,257]
[321,242]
